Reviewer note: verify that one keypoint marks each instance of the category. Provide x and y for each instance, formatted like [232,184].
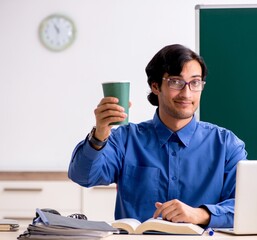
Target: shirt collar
[164,133]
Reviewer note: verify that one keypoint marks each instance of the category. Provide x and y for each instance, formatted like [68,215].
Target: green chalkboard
[228,43]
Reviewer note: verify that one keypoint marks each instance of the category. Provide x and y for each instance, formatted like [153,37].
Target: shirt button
[173,154]
[174,178]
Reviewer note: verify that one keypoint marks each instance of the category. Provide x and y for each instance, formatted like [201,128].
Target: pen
[42,216]
[210,231]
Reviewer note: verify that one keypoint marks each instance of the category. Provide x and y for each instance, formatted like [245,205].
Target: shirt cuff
[90,151]
[218,218]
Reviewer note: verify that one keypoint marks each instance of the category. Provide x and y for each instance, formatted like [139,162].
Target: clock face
[57,32]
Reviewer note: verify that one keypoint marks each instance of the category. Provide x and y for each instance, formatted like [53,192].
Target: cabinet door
[19,199]
[99,202]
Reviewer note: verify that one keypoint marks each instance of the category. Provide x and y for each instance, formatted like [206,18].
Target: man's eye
[196,82]
[175,81]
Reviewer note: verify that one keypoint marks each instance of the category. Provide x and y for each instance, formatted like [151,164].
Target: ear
[155,88]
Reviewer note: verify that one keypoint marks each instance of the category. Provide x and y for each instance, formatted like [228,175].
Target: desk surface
[216,236]
[205,236]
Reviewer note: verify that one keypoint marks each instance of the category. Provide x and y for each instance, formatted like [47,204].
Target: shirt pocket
[140,184]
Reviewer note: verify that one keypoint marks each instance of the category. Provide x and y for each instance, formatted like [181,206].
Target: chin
[184,115]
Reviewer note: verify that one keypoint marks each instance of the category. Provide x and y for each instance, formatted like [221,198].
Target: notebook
[245,222]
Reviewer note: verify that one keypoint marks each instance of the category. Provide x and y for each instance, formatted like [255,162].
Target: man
[171,166]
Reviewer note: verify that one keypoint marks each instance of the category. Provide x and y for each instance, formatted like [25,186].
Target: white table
[205,236]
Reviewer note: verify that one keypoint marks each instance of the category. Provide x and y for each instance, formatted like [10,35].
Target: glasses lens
[196,85]
[175,83]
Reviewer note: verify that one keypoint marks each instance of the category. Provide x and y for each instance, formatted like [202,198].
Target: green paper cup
[119,90]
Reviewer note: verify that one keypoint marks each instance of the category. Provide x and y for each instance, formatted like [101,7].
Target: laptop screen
[245,218]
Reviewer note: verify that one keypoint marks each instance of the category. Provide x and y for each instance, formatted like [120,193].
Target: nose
[185,91]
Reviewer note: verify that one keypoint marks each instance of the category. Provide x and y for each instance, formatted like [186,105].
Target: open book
[133,226]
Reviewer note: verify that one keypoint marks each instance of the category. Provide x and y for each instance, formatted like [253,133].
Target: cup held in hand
[119,90]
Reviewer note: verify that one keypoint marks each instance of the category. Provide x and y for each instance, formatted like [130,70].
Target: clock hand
[57,29]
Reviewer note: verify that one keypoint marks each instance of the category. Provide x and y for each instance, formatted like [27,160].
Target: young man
[171,166]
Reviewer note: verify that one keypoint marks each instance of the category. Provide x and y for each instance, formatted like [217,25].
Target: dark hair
[171,60]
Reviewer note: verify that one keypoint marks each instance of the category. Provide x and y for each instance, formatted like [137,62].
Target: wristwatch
[92,139]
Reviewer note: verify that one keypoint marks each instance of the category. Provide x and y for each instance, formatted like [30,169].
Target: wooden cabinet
[98,203]
[22,192]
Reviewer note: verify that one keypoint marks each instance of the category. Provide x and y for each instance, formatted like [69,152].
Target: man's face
[179,104]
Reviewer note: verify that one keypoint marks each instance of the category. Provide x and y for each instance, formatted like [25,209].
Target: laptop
[245,215]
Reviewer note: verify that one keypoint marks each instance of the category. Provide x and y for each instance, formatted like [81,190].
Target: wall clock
[57,32]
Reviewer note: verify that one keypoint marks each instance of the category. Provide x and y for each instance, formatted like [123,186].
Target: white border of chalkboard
[213,6]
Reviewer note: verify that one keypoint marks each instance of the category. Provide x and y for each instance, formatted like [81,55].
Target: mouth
[184,103]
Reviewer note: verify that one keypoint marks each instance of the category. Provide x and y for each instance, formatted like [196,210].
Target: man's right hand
[107,111]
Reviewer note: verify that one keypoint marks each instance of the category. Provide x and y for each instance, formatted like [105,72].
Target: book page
[127,224]
[164,226]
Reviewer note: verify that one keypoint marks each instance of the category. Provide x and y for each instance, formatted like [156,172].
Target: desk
[217,236]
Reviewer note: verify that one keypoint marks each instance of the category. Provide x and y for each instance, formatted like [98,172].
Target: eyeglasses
[78,216]
[50,210]
[178,84]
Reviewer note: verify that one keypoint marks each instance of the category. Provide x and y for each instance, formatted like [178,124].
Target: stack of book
[51,227]
[9,225]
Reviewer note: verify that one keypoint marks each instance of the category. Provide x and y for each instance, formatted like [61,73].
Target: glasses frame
[38,218]
[184,83]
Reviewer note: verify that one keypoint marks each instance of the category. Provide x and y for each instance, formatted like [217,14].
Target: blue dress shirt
[150,163]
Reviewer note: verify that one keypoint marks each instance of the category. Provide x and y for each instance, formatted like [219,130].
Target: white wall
[47,99]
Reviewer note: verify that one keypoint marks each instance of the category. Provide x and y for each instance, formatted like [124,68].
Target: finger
[158,211]
[158,204]
[109,103]
[110,110]
[168,209]
[107,110]
[171,215]
[102,113]
[161,208]
[175,218]
[108,100]
[110,119]
[103,124]
[176,212]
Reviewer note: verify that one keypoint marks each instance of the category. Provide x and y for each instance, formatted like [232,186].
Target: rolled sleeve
[221,216]
[82,159]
